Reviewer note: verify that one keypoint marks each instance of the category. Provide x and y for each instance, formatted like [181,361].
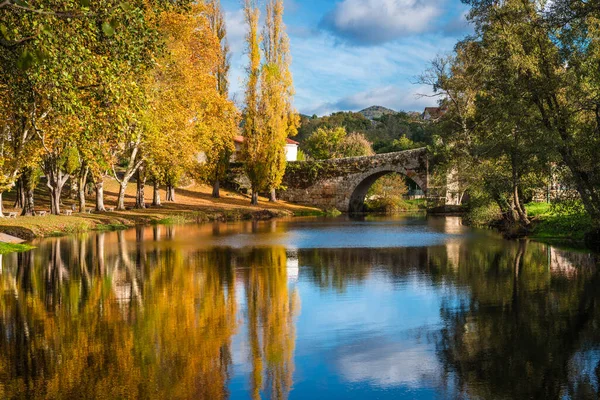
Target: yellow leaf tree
[277,91]
[185,109]
[254,150]
[223,117]
[269,115]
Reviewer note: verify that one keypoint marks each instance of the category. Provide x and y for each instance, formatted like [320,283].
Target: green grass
[172,220]
[309,213]
[538,209]
[547,224]
[6,248]
[333,212]
[111,227]
[416,204]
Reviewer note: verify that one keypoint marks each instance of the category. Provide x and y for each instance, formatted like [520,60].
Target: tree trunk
[123,185]
[28,187]
[141,184]
[121,200]
[28,205]
[520,210]
[133,163]
[273,196]
[20,198]
[55,192]
[18,193]
[254,200]
[522,214]
[55,180]
[592,239]
[55,187]
[170,193]
[99,195]
[156,194]
[216,189]
[1,206]
[82,182]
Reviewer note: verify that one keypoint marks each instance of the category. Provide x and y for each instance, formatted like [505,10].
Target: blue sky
[351,54]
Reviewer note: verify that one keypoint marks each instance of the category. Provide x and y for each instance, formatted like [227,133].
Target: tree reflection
[522,322]
[72,324]
[271,310]
[130,315]
[517,335]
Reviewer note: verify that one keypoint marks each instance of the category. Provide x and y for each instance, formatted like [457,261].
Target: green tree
[355,145]
[489,133]
[327,143]
[552,58]
[323,143]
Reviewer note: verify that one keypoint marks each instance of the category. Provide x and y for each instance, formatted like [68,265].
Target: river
[380,308]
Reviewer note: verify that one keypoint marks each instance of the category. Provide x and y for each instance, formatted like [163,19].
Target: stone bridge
[343,183]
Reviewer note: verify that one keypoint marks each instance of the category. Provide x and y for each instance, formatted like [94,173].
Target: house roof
[240,139]
[435,112]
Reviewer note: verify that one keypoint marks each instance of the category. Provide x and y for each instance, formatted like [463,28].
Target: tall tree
[554,62]
[254,150]
[18,147]
[219,146]
[186,112]
[280,119]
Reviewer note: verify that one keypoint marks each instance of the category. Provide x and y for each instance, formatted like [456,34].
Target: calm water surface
[405,308]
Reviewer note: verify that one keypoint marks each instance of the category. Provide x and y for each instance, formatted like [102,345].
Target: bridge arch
[340,183]
[356,202]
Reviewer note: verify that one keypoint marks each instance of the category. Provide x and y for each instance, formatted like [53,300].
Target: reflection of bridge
[343,183]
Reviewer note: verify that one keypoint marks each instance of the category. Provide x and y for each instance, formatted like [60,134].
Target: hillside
[375,112]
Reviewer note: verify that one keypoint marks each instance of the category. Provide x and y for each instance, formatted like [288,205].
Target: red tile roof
[435,112]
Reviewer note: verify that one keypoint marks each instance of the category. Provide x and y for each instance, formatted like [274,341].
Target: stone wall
[340,183]
[343,183]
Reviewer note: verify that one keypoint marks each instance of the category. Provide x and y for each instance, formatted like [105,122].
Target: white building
[291,150]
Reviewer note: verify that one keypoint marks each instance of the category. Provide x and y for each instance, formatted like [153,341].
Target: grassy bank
[395,205]
[550,225]
[547,224]
[6,248]
[194,205]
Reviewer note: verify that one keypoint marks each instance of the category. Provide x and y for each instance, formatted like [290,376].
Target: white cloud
[332,76]
[329,76]
[388,364]
[379,21]
[236,30]
[394,97]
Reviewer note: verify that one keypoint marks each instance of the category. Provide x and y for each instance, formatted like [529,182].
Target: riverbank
[6,248]
[547,225]
[194,205]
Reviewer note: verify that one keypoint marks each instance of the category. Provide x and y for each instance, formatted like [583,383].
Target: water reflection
[167,312]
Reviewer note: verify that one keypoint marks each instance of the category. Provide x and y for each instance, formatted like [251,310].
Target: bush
[355,145]
[389,205]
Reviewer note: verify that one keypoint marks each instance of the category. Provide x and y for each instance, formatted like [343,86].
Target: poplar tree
[219,146]
[269,116]
[254,149]
[277,90]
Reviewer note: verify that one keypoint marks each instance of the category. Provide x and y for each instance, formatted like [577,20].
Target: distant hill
[375,112]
